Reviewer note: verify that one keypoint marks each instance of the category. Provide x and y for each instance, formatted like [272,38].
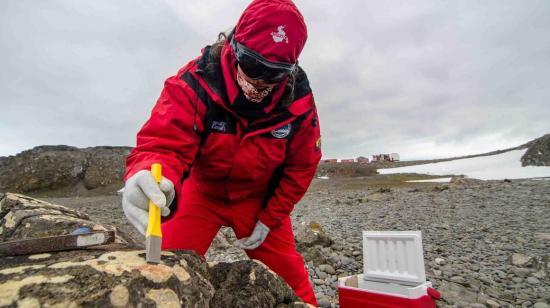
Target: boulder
[117,275]
[23,217]
[311,234]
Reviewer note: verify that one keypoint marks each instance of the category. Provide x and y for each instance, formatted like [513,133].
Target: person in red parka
[237,134]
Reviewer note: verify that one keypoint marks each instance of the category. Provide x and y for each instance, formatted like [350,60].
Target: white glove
[256,238]
[138,190]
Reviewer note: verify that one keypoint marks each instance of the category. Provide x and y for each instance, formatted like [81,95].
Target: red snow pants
[199,217]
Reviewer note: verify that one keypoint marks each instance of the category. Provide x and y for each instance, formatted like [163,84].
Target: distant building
[386,157]
[362,160]
[347,161]
[329,161]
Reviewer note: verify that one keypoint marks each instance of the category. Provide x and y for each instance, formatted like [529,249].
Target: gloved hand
[138,190]
[256,238]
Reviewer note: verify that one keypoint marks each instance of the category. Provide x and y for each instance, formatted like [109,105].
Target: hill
[62,170]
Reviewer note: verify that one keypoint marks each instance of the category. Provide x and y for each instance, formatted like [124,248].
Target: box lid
[393,256]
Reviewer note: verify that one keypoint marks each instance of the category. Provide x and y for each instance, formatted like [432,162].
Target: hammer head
[153,249]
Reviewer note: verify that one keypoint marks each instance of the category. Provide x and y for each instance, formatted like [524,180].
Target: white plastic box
[394,257]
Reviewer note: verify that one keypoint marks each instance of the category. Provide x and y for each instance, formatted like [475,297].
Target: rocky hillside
[65,169]
[69,171]
[538,153]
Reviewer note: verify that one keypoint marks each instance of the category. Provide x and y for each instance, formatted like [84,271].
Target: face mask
[250,91]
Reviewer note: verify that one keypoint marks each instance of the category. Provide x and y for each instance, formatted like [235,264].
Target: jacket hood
[275,29]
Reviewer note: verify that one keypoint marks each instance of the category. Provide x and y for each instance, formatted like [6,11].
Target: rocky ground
[486,244]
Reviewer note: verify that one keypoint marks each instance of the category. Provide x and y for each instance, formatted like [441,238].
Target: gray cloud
[422,78]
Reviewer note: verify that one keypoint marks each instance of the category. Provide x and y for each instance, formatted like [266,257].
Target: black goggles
[257,67]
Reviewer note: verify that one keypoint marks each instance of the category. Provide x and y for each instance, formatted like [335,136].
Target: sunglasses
[257,67]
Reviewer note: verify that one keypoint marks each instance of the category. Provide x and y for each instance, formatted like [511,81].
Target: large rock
[117,275]
[311,234]
[249,284]
[66,169]
[23,217]
[538,153]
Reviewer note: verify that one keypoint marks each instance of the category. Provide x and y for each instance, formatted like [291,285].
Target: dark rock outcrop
[66,169]
[538,153]
[117,275]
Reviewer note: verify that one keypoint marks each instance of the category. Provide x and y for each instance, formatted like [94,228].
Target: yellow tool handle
[153,226]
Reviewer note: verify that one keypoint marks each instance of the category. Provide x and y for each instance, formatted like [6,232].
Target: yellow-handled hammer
[153,235]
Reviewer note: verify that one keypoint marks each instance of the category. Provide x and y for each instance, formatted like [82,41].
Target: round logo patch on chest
[281,132]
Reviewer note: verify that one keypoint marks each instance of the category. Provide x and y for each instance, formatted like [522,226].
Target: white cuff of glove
[138,190]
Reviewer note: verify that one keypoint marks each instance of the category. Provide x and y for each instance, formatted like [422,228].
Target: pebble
[318,281]
[327,269]
[533,280]
[323,302]
[541,305]
[491,303]
[458,279]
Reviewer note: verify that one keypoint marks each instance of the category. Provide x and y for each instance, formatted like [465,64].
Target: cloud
[422,78]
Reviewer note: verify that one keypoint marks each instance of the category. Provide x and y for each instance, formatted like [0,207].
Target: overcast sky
[421,78]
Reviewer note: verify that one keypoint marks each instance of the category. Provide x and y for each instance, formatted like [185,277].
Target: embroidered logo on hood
[280,35]
[281,132]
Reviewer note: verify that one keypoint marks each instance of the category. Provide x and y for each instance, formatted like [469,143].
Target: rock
[522,272]
[477,305]
[99,278]
[248,284]
[538,152]
[311,234]
[541,305]
[323,301]
[458,279]
[313,254]
[439,261]
[518,259]
[25,217]
[533,280]
[454,292]
[491,303]
[464,181]
[327,269]
[65,169]
[118,275]
[543,236]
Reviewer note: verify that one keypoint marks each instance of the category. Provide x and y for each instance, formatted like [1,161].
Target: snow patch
[506,165]
[438,180]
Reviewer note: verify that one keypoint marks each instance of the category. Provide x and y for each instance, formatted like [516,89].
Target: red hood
[273,28]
